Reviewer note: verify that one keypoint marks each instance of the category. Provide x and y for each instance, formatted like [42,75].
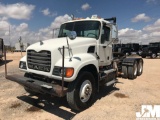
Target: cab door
[105,47]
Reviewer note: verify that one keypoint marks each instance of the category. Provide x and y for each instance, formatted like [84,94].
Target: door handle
[104,46]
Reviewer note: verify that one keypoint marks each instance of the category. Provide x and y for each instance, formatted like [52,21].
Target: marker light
[69,72]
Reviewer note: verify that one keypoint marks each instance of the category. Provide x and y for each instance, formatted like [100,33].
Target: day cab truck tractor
[1,49]
[76,63]
[142,48]
[153,50]
[127,49]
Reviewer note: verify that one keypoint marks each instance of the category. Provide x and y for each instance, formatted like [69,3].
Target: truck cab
[76,63]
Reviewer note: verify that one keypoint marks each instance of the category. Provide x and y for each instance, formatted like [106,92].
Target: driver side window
[105,34]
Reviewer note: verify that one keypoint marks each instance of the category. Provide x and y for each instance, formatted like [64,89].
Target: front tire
[81,91]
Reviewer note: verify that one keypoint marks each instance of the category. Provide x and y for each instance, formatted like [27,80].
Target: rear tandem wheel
[132,71]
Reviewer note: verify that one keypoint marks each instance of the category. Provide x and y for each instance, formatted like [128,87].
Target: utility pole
[20,44]
[10,37]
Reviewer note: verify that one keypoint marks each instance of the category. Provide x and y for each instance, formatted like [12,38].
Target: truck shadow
[105,91]
[59,106]
[51,105]
[2,62]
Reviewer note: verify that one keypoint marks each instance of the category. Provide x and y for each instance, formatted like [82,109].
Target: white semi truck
[76,63]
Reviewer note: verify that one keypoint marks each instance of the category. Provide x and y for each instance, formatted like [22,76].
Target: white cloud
[141,17]
[85,6]
[153,27]
[58,20]
[129,35]
[149,33]
[152,1]
[17,10]
[47,12]
[148,1]
[22,27]
[23,30]
[4,25]
[129,32]
[155,34]
[3,18]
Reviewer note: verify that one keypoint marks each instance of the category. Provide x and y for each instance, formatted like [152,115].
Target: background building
[21,46]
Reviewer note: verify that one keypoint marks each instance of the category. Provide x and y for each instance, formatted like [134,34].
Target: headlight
[68,72]
[22,65]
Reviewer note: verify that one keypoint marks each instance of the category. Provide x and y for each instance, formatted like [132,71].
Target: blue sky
[138,20]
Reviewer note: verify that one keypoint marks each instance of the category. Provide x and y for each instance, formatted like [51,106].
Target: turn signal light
[69,72]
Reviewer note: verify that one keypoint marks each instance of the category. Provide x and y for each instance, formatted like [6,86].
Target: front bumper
[38,86]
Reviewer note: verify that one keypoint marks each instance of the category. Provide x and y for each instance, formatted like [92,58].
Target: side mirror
[72,35]
[115,40]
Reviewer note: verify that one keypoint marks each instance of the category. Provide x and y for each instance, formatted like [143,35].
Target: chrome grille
[39,60]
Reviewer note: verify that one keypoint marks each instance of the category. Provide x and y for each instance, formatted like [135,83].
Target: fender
[24,59]
[130,61]
[78,61]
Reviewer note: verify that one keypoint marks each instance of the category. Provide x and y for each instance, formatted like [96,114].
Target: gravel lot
[118,103]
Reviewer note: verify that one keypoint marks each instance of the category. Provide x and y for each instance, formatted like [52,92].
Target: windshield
[82,28]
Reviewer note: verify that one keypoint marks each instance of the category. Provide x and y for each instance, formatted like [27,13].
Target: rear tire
[125,72]
[132,71]
[81,91]
[140,68]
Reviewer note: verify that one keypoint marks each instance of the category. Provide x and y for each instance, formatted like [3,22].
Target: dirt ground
[118,103]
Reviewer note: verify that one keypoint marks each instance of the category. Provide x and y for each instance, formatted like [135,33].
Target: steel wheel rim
[135,69]
[85,91]
[140,67]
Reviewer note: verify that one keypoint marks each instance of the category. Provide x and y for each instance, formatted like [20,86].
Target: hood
[52,44]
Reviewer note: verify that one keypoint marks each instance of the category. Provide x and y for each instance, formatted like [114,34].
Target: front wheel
[81,92]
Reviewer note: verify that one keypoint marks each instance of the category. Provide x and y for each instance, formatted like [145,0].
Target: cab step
[111,82]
